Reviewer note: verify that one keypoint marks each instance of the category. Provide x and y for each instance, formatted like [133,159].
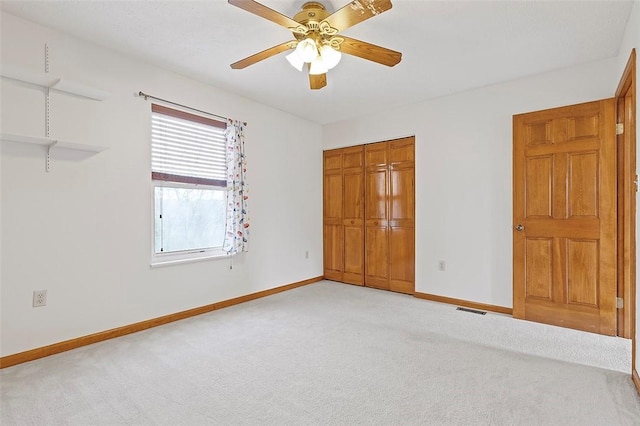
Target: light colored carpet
[334,354]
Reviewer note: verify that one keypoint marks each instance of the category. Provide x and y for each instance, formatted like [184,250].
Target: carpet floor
[333,354]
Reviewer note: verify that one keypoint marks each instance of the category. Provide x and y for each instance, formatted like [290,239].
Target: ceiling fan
[317,43]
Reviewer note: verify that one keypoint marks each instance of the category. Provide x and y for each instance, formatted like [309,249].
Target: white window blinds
[187,148]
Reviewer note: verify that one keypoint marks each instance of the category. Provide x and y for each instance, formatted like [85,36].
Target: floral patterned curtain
[237,226]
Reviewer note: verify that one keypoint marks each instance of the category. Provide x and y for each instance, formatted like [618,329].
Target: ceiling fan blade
[369,51]
[356,12]
[265,12]
[317,81]
[250,60]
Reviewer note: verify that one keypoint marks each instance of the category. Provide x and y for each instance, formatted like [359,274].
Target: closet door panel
[353,196]
[333,197]
[401,260]
[376,154]
[353,255]
[353,158]
[377,257]
[376,215]
[333,236]
[402,215]
[353,214]
[402,201]
[333,254]
[376,195]
[402,151]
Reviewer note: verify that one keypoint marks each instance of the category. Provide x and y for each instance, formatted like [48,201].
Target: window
[188,171]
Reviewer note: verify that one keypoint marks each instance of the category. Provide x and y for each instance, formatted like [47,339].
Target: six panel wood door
[565,217]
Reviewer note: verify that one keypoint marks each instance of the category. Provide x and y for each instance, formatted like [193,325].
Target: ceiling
[447,46]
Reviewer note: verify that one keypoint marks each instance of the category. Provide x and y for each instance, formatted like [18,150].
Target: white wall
[83,231]
[463,173]
[632,40]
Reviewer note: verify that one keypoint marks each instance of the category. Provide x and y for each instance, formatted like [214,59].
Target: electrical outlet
[39,298]
[442,265]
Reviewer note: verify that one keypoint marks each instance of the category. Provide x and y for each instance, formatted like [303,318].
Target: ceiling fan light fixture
[295,60]
[307,50]
[318,66]
[330,56]
[317,41]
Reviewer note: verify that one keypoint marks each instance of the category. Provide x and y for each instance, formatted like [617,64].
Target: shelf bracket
[48,165]
[47,109]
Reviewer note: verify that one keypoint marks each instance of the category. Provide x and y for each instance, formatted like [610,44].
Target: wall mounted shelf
[54,83]
[56,149]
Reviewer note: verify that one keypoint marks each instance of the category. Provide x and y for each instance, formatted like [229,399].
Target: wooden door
[401,215]
[376,215]
[332,215]
[353,214]
[390,215]
[565,217]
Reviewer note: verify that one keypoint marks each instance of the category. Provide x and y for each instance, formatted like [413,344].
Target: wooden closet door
[401,215]
[353,214]
[376,215]
[332,215]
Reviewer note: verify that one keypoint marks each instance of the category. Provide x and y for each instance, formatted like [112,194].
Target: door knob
[519,227]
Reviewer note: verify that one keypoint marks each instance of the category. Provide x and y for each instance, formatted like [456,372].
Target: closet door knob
[519,228]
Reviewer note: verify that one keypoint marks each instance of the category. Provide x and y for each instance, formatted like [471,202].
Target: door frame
[627,188]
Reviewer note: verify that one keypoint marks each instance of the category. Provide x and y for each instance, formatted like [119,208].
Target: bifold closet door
[353,214]
[401,217]
[369,215]
[332,215]
[376,215]
[390,215]
[343,215]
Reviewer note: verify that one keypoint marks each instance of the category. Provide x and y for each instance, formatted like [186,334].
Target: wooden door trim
[628,75]
[626,114]
[625,94]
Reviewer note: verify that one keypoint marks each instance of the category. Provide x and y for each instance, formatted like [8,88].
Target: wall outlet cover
[39,298]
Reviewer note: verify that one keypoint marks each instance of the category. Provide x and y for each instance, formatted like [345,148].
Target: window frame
[160,179]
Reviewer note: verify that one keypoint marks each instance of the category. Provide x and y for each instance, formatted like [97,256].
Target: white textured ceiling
[447,46]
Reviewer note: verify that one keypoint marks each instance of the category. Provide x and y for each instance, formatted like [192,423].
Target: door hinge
[619,128]
[619,302]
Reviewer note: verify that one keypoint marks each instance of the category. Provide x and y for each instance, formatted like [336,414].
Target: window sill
[172,260]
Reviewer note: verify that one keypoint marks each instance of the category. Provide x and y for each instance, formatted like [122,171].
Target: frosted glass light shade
[295,60]
[318,66]
[307,50]
[330,56]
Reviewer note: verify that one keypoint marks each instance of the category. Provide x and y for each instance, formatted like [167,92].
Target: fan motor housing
[312,11]
[310,16]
